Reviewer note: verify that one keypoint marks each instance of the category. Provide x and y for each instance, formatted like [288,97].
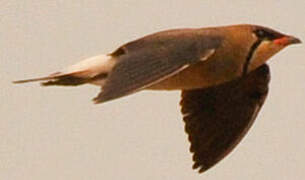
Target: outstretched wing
[154,58]
[217,118]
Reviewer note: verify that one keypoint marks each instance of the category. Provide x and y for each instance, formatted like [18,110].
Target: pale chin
[263,53]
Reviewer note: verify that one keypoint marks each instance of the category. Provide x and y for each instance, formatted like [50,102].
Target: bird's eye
[261,33]
[266,34]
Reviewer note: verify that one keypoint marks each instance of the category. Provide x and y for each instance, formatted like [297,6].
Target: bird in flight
[221,71]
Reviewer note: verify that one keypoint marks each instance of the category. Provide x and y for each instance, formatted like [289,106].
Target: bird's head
[268,43]
[259,43]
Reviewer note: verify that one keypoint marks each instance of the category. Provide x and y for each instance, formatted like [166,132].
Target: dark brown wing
[217,118]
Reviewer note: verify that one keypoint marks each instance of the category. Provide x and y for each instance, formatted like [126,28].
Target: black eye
[261,33]
[266,34]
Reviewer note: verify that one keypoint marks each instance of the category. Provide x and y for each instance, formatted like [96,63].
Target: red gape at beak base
[284,41]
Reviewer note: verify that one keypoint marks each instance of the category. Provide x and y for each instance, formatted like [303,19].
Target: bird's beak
[287,40]
[293,40]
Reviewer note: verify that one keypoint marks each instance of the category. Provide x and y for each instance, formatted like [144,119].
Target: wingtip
[96,100]
[100,99]
[201,168]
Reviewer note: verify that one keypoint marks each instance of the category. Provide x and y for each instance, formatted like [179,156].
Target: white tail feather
[85,69]
[93,66]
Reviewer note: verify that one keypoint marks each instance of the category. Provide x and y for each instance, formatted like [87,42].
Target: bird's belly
[201,75]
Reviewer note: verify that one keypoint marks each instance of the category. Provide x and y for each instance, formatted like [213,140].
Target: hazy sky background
[58,133]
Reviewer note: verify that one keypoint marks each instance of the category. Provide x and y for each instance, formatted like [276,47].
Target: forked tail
[93,70]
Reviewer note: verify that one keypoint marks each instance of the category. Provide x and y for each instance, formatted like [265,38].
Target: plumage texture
[217,118]
[148,60]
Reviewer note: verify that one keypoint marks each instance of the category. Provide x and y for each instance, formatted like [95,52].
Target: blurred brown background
[57,133]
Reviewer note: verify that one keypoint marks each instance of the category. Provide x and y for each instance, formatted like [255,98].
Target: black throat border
[249,56]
